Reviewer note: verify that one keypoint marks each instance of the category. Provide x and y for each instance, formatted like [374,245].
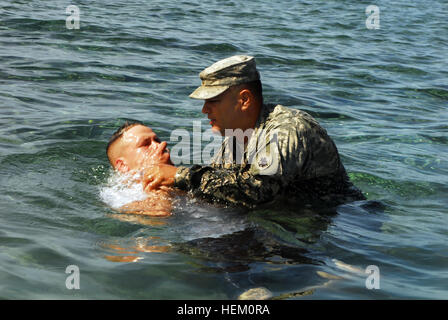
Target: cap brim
[208,92]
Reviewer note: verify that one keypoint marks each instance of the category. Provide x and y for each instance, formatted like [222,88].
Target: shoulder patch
[266,163]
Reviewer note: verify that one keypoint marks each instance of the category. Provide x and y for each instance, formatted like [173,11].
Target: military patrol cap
[225,73]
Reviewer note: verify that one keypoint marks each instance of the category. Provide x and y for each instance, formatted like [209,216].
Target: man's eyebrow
[145,139]
[142,140]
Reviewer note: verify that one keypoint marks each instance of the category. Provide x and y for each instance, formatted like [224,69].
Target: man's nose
[154,143]
[205,108]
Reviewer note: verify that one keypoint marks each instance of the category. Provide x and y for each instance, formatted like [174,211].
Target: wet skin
[137,150]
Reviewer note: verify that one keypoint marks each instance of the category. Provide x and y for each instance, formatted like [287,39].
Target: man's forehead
[136,132]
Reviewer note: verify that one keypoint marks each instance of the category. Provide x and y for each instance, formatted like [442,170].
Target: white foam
[121,189]
[193,219]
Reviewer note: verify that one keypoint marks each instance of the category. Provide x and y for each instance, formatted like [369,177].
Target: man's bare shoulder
[157,204]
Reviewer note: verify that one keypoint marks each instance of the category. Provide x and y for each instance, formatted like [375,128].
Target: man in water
[131,150]
[286,154]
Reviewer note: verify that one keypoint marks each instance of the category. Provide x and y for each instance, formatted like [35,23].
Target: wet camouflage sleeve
[232,186]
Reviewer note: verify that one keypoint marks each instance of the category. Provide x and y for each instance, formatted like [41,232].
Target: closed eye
[145,142]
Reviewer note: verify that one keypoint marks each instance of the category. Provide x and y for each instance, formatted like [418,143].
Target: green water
[381,94]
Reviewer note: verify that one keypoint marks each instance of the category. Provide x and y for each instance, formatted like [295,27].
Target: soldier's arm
[231,186]
[278,161]
[249,186]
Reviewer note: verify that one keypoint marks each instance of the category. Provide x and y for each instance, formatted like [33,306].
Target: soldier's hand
[157,176]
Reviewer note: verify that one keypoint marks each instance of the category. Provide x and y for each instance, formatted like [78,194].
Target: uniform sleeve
[230,186]
[269,170]
[305,152]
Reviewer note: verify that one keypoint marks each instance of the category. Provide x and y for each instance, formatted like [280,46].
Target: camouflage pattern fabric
[289,156]
[225,73]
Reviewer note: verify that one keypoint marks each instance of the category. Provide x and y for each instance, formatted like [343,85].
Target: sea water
[381,94]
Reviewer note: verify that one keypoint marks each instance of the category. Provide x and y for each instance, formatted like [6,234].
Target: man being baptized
[132,149]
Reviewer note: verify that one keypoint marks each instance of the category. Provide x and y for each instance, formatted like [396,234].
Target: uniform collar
[265,110]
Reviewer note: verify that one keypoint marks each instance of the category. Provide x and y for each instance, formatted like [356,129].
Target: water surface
[381,94]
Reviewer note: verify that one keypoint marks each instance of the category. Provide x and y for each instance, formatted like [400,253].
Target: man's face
[223,111]
[138,148]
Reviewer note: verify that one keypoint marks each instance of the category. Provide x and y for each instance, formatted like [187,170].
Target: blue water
[381,94]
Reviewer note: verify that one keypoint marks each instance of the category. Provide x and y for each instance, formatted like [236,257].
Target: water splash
[121,189]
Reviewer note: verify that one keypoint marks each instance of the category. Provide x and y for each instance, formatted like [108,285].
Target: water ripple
[381,95]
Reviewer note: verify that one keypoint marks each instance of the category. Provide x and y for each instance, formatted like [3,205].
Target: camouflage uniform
[300,163]
[289,155]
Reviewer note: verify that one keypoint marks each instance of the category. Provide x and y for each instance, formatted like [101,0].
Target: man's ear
[121,165]
[246,98]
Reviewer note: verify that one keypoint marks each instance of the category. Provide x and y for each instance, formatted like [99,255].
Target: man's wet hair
[119,133]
